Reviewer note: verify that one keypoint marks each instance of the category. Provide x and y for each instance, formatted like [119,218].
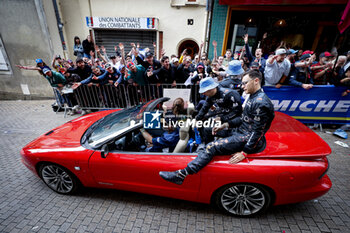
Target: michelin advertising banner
[320,104]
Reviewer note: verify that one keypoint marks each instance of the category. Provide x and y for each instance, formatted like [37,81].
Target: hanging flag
[89,21]
[345,19]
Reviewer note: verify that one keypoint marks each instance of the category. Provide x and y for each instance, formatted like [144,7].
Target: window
[111,126]
[4,62]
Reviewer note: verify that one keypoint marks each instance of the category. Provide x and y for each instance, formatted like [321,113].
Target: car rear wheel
[58,178]
[243,200]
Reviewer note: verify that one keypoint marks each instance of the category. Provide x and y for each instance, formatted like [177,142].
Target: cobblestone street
[28,205]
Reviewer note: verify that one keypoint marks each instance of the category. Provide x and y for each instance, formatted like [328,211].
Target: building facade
[44,28]
[29,31]
[170,24]
[302,24]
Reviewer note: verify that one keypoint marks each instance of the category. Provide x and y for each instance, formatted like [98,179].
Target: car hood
[288,138]
[69,134]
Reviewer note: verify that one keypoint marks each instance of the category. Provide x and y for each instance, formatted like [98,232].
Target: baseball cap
[292,51]
[45,70]
[58,57]
[280,51]
[148,54]
[325,54]
[305,56]
[39,60]
[200,65]
[121,67]
[108,65]
[308,52]
[175,59]
[207,84]
[130,64]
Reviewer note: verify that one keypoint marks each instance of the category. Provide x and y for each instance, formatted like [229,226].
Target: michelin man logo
[151,120]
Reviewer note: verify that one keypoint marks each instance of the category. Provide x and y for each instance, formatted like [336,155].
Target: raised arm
[105,54]
[247,49]
[155,49]
[98,51]
[271,59]
[53,62]
[121,47]
[262,40]
[242,53]
[215,45]
[200,49]
[133,50]
[282,44]
[183,54]
[28,67]
[162,53]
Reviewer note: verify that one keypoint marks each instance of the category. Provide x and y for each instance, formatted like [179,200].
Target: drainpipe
[90,10]
[60,27]
[209,13]
[92,32]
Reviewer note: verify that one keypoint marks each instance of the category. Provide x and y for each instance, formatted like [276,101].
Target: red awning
[281,2]
[345,19]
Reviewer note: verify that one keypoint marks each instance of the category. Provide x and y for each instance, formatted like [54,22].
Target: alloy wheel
[58,179]
[243,199]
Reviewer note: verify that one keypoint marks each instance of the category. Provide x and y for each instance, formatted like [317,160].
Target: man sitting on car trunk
[247,135]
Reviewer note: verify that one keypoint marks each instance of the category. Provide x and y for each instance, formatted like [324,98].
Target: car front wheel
[243,200]
[58,178]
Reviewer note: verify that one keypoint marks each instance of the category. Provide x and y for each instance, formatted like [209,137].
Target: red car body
[292,167]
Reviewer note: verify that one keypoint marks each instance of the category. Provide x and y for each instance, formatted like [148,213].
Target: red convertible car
[92,151]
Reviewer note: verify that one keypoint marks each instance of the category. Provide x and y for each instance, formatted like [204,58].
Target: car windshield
[113,124]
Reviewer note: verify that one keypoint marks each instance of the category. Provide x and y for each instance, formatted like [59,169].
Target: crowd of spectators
[140,67]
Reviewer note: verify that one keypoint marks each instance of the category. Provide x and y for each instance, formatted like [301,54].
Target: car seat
[184,133]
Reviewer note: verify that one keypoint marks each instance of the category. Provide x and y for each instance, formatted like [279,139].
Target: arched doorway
[191,46]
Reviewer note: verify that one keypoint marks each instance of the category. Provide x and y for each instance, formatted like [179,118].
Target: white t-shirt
[116,65]
[274,72]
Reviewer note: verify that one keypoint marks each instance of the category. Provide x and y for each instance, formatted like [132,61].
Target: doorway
[191,46]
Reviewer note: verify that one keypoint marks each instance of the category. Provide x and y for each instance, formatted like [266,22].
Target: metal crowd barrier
[123,96]
[321,104]
[62,100]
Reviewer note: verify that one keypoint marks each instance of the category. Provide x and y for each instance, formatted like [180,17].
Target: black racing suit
[247,136]
[232,81]
[227,104]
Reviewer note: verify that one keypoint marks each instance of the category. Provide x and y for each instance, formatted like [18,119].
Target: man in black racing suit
[223,104]
[226,103]
[247,137]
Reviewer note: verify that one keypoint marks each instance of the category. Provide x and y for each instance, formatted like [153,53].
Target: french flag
[89,21]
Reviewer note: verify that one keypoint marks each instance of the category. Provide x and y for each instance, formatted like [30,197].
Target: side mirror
[104,151]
